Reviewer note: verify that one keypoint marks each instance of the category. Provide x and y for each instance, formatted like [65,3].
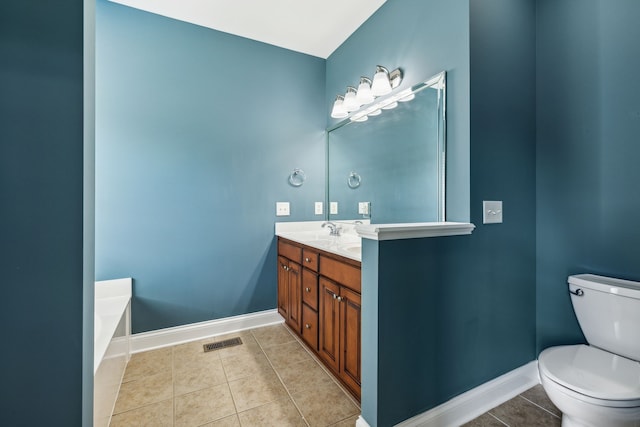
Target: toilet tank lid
[622,287]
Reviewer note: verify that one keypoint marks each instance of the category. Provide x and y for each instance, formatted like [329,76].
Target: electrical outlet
[491,212]
[282,209]
[333,208]
[318,208]
[363,208]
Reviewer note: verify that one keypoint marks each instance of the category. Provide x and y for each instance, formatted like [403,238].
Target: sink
[354,249]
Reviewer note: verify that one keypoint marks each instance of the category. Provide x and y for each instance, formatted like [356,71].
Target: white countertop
[311,233]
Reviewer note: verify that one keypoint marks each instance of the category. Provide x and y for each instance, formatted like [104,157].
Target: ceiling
[314,27]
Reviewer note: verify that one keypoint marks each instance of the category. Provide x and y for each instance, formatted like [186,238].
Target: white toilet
[598,385]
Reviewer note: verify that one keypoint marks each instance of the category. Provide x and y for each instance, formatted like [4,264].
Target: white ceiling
[314,27]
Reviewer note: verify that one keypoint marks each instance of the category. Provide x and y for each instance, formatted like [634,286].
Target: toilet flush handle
[578,292]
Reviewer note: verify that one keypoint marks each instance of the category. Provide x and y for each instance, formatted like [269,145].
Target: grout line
[280,378]
[498,419]
[534,403]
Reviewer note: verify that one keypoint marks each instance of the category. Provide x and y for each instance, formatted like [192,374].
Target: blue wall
[588,116]
[197,132]
[455,312]
[41,193]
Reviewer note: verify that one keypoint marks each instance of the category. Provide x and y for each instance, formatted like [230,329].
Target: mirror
[391,167]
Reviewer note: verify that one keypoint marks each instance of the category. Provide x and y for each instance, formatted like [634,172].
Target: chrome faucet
[335,230]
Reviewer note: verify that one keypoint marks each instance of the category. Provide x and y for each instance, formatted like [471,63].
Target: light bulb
[364,95]
[350,102]
[381,84]
[338,111]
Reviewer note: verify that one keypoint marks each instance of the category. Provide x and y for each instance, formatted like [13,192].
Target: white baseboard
[475,402]
[180,334]
[360,422]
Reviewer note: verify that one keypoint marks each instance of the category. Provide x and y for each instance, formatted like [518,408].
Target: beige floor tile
[349,422]
[203,406]
[249,346]
[246,365]
[197,375]
[155,415]
[305,375]
[187,353]
[144,391]
[286,354]
[272,335]
[325,405]
[520,412]
[231,421]
[281,413]
[257,390]
[148,363]
[538,396]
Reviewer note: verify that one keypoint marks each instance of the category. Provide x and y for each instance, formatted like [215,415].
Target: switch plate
[282,209]
[333,208]
[491,212]
[363,208]
[318,208]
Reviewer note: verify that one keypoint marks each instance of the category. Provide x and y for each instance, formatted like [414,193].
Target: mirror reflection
[391,167]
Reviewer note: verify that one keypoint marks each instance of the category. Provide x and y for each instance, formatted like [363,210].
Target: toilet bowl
[591,387]
[598,385]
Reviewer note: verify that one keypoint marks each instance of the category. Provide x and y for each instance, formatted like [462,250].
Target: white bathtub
[112,331]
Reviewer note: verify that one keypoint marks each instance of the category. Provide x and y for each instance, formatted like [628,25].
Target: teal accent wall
[41,212]
[588,122]
[454,312]
[197,133]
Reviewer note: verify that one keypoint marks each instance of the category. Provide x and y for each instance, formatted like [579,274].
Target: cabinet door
[310,288]
[295,297]
[350,326]
[283,287]
[329,323]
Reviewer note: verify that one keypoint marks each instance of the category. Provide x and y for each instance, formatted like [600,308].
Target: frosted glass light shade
[338,111]
[364,95]
[381,84]
[390,106]
[350,101]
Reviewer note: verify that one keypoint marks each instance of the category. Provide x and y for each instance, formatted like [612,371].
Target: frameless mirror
[390,168]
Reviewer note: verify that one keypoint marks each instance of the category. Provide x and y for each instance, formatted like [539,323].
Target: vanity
[319,295]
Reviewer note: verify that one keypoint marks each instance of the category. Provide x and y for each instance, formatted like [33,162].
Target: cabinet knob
[308,326]
[285,267]
[335,296]
[307,259]
[339,298]
[307,289]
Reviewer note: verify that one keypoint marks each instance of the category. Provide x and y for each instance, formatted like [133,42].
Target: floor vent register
[231,342]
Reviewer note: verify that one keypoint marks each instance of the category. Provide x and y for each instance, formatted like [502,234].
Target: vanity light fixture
[358,102]
[338,111]
[365,94]
[350,102]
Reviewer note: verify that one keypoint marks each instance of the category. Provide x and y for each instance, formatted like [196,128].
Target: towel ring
[354,180]
[297,177]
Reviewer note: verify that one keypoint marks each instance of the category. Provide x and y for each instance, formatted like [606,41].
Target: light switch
[333,208]
[491,212]
[318,208]
[282,209]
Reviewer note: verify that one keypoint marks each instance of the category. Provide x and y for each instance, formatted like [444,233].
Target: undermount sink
[355,249]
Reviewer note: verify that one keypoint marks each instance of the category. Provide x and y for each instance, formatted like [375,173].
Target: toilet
[598,385]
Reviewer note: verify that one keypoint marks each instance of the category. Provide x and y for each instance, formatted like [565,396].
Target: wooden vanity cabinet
[325,311]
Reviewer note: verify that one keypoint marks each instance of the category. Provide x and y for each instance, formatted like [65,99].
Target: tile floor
[530,409]
[269,380]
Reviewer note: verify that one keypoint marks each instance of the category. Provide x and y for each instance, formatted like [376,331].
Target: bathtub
[112,331]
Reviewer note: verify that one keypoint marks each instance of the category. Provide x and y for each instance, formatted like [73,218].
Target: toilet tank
[608,311]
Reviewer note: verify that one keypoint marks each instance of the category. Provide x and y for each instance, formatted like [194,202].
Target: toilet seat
[593,375]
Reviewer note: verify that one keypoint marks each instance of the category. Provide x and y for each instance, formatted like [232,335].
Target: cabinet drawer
[310,259]
[340,272]
[310,326]
[294,253]
[310,288]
